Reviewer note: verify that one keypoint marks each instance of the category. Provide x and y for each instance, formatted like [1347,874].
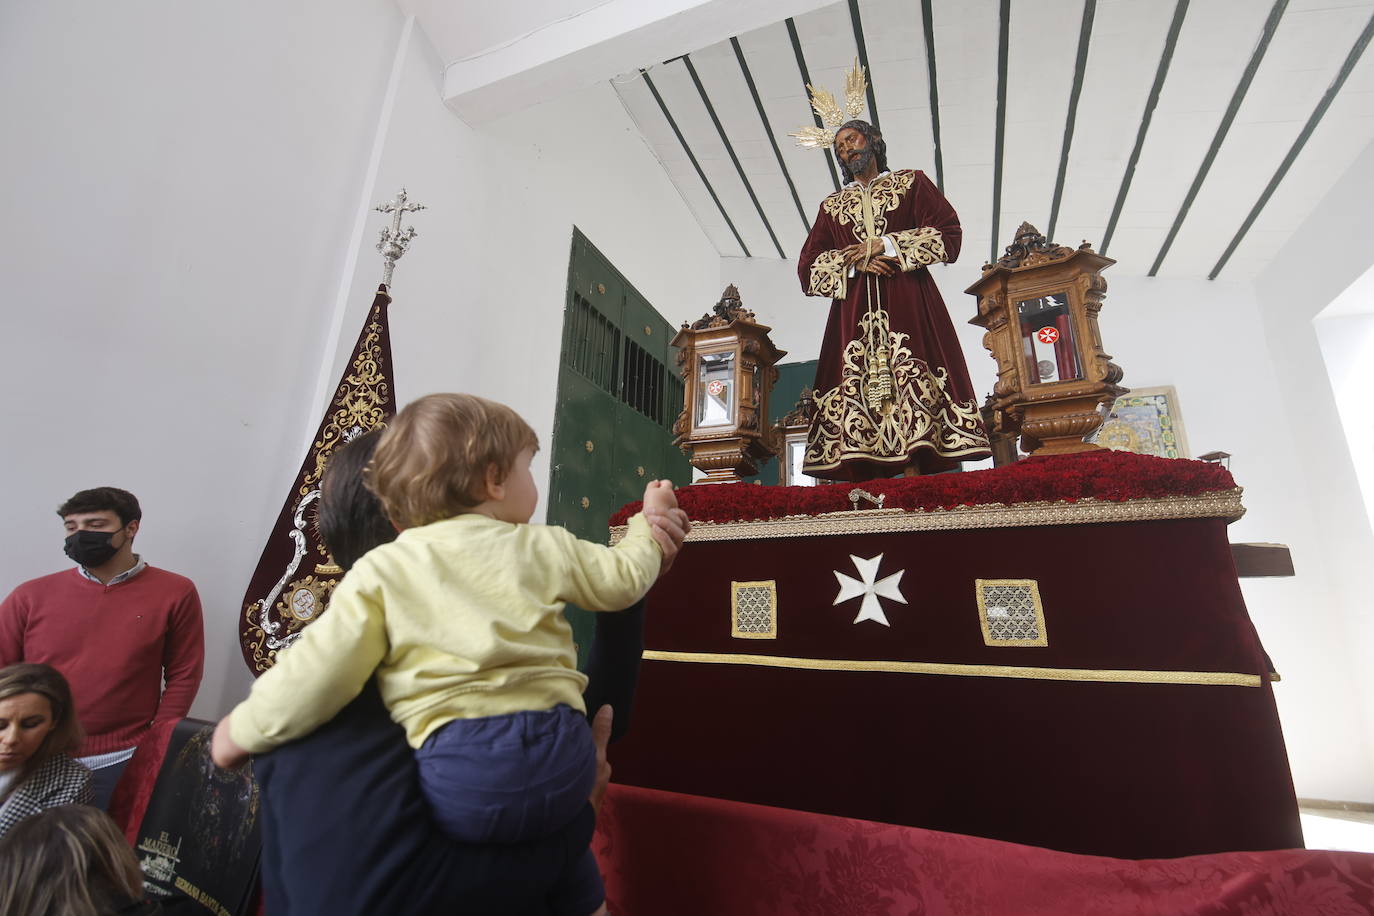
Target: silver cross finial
[394,241]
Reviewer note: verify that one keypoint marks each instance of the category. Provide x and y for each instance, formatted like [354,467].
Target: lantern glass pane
[1048,345]
[715,389]
[795,450]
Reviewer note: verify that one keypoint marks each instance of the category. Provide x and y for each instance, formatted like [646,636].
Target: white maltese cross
[871,588]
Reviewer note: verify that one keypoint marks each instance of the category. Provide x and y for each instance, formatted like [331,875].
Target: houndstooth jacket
[60,781]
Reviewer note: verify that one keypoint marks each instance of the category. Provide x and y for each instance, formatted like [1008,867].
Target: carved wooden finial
[728,309]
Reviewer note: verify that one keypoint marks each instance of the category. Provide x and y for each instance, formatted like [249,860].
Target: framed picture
[1146,421]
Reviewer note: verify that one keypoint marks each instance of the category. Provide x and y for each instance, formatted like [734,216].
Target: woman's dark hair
[67,861]
[350,517]
[875,143]
[47,682]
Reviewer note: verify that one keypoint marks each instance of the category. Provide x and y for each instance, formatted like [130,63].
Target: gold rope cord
[1103,675]
[878,387]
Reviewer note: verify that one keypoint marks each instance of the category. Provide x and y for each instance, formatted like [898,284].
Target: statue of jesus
[892,390]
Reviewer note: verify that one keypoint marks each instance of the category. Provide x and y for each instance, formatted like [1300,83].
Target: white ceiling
[1216,43]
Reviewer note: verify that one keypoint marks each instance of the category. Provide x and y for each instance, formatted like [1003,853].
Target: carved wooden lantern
[726,360]
[791,431]
[1039,304]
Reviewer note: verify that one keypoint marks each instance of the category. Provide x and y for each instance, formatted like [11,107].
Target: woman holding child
[461,620]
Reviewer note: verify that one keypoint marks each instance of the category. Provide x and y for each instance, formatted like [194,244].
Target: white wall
[178,183]
[1332,249]
[1347,344]
[184,200]
[478,301]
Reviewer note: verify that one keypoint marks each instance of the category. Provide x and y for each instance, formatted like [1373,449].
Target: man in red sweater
[116,627]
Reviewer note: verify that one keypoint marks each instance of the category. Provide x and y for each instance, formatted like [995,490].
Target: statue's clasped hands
[867,256]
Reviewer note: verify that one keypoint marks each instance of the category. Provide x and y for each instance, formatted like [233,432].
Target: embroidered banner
[295,575]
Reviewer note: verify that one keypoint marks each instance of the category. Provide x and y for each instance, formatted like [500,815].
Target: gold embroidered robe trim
[920,413]
[918,247]
[886,192]
[829,276]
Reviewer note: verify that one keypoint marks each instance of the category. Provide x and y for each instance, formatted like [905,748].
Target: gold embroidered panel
[885,192]
[828,275]
[888,404]
[1010,612]
[754,609]
[918,247]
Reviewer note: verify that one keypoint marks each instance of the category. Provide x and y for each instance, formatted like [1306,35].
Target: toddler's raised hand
[658,495]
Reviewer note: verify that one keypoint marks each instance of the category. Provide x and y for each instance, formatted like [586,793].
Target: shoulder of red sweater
[160,575]
[65,577]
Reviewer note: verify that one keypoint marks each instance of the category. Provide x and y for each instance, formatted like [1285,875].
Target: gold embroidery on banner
[359,404]
[304,599]
[754,609]
[828,275]
[1224,504]
[852,421]
[886,191]
[1099,675]
[918,247]
[1010,612]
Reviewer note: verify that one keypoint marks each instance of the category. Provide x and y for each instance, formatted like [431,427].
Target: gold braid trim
[918,247]
[828,275]
[1099,675]
[1224,504]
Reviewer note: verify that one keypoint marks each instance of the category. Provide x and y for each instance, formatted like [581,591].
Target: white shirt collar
[125,576]
[875,177]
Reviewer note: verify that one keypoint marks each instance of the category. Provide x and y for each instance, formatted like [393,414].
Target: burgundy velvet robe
[891,386]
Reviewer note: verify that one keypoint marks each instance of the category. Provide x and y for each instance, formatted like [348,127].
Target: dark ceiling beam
[1351,60]
[1271,25]
[730,149]
[1003,38]
[768,131]
[1085,32]
[696,165]
[928,24]
[858,25]
[1161,73]
[806,86]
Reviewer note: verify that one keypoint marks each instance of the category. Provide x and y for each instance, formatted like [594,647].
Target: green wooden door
[618,395]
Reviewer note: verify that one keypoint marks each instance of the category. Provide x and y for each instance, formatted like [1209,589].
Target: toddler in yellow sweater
[461,620]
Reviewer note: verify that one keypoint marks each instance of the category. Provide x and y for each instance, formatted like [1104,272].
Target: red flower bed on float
[1102,475]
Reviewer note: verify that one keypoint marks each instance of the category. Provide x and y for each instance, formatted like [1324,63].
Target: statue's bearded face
[851,148]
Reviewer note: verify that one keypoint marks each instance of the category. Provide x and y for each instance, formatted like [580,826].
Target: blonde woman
[70,861]
[38,733]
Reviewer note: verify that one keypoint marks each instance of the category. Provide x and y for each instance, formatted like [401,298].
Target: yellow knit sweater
[459,619]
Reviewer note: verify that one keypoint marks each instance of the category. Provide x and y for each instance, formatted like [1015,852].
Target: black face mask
[91,548]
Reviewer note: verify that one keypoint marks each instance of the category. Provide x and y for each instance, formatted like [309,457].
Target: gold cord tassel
[878,383]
